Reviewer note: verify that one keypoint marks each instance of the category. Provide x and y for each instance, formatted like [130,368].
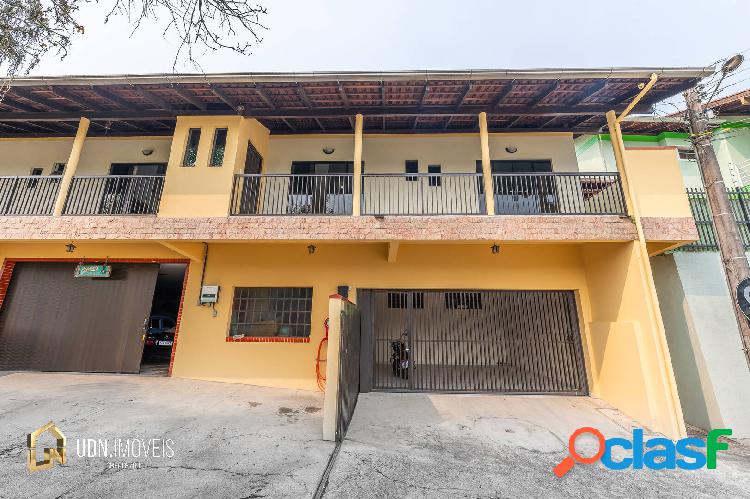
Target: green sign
[93,270]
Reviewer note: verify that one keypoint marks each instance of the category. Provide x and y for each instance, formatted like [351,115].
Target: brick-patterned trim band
[5,277]
[322,228]
[669,229]
[269,339]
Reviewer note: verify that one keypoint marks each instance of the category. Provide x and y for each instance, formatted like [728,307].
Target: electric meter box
[209,294]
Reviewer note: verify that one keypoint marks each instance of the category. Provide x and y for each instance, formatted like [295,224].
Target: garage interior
[471,341]
[52,320]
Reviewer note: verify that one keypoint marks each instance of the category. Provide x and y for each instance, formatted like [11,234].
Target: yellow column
[71,165]
[484,141]
[357,177]
[667,379]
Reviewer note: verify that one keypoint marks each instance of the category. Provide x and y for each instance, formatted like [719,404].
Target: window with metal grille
[219,145]
[191,148]
[401,300]
[269,312]
[411,166]
[463,301]
[435,180]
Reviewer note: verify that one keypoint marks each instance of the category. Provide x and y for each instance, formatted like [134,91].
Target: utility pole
[732,251]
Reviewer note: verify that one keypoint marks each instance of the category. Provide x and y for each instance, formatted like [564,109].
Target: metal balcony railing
[740,200]
[28,195]
[558,194]
[422,194]
[114,195]
[289,194]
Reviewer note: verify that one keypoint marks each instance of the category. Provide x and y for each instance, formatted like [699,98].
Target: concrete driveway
[418,445]
[228,440]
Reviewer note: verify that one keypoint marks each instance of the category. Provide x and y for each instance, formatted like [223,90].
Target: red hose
[321,377]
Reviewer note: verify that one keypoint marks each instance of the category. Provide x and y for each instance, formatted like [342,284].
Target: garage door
[472,341]
[52,321]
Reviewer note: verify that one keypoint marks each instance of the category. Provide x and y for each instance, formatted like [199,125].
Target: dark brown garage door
[471,341]
[52,321]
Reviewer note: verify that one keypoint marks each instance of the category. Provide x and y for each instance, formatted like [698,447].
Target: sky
[307,35]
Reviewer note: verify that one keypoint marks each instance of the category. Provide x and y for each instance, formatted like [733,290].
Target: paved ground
[229,440]
[415,445]
[232,440]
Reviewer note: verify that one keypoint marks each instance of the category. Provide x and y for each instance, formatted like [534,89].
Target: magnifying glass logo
[567,464]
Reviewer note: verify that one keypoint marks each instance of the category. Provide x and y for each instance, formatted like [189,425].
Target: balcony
[28,195]
[286,194]
[429,194]
[558,194]
[422,194]
[114,195]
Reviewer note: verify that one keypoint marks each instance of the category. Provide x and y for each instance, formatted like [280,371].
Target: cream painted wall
[283,149]
[19,156]
[557,147]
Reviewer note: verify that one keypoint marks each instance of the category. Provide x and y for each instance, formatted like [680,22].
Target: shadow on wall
[688,363]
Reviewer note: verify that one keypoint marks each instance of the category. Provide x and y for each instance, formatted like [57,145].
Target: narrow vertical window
[435,180]
[219,145]
[191,148]
[411,166]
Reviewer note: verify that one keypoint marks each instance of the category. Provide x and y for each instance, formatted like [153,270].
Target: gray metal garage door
[471,341]
[52,321]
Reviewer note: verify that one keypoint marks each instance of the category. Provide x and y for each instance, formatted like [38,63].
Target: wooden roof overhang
[292,103]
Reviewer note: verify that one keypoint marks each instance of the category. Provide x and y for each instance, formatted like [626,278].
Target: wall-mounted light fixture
[311,249]
[70,247]
[511,149]
[328,150]
[147,152]
[495,249]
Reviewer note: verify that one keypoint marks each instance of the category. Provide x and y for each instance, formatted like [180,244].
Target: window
[270,312]
[220,144]
[35,172]
[463,301]
[191,148]
[58,169]
[411,166]
[687,154]
[401,300]
[435,180]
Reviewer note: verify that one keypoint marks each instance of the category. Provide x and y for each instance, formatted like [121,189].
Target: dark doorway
[321,187]
[251,185]
[165,306]
[133,188]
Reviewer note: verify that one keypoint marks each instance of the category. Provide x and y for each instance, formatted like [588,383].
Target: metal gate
[473,341]
[348,367]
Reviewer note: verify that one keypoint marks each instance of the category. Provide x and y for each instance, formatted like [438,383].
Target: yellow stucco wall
[622,357]
[204,190]
[630,366]
[658,183]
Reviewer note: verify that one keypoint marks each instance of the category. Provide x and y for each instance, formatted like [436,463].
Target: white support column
[484,141]
[357,177]
[71,165]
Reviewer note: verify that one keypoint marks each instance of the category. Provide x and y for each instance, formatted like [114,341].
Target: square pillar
[357,177]
[484,142]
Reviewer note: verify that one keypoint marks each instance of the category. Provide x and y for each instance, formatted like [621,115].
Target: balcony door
[124,195]
[519,191]
[250,197]
[321,187]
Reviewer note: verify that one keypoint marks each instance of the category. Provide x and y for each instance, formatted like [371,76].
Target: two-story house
[449,206]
